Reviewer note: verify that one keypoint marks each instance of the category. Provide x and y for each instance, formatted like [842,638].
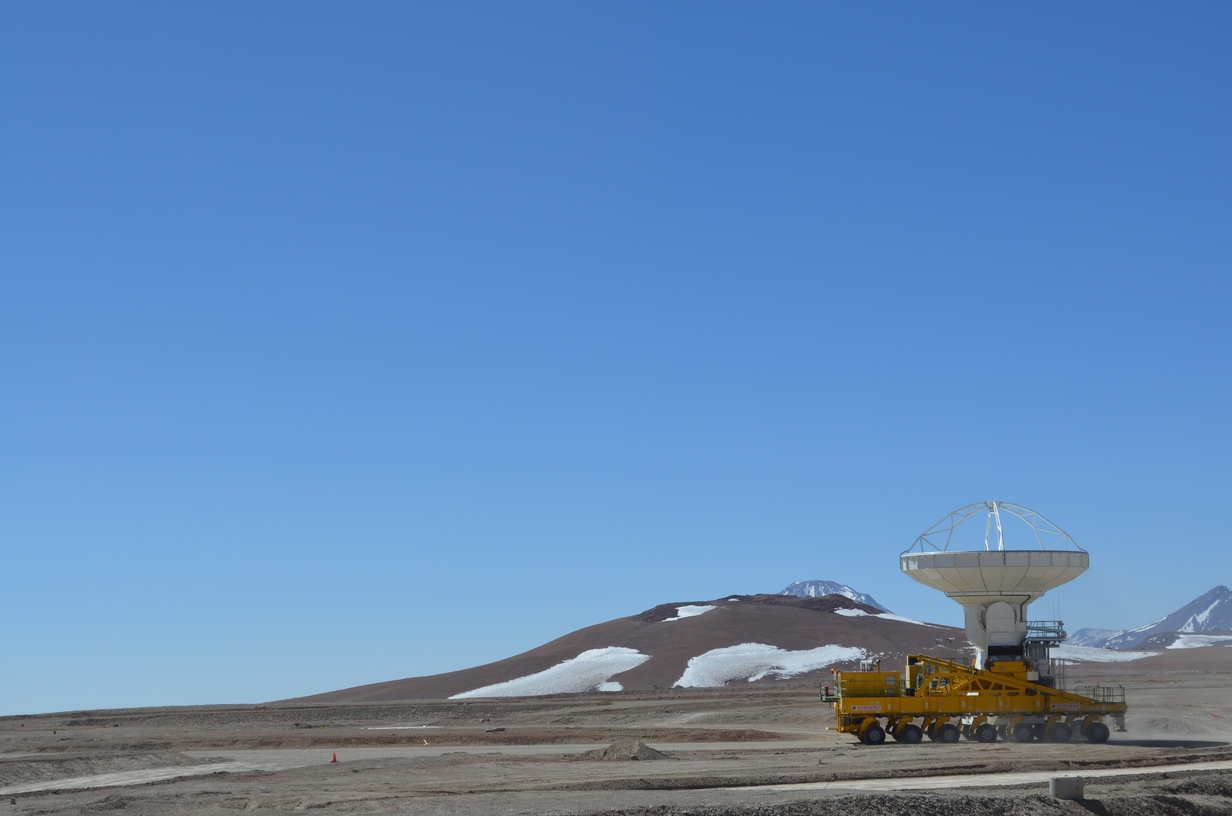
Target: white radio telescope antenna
[995,583]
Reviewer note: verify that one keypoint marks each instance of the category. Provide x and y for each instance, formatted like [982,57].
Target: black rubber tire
[910,734]
[1060,732]
[873,735]
[987,732]
[948,734]
[1023,733]
[1098,732]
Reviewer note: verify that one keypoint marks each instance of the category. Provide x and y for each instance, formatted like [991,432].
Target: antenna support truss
[1048,536]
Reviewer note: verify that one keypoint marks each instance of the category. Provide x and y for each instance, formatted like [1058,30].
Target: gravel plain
[745,749]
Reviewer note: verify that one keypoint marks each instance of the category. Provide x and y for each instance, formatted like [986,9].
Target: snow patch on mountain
[816,589]
[860,613]
[589,671]
[1188,641]
[753,661]
[1088,654]
[1197,623]
[901,619]
[688,612]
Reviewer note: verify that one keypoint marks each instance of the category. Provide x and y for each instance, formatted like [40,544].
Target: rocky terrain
[747,748]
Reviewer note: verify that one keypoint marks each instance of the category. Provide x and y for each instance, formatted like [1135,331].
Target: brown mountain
[671,640]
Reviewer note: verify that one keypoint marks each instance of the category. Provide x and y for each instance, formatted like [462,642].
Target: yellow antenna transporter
[1013,688]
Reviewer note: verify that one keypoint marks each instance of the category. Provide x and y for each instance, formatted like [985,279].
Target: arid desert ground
[743,749]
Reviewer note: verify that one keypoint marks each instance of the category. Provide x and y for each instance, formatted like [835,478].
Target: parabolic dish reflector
[971,570]
[982,577]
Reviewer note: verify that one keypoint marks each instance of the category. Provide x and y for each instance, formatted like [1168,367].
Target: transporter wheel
[949,734]
[873,735]
[1098,732]
[1023,732]
[910,734]
[1060,732]
[986,733]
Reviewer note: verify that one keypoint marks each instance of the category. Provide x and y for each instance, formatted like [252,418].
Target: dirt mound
[1205,785]
[671,641]
[622,750]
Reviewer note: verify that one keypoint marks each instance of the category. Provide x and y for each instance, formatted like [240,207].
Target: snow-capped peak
[815,589]
[1209,613]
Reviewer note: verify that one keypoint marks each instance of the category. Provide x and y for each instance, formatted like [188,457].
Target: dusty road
[740,750]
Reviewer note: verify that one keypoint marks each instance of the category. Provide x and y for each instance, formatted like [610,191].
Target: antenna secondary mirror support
[1047,536]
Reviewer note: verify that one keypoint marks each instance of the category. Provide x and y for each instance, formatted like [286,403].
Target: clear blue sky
[348,342]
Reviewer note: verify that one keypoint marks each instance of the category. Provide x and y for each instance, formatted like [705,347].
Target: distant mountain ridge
[1095,638]
[1210,613]
[817,589]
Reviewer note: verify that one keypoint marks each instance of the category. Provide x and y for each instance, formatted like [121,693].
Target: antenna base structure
[995,585]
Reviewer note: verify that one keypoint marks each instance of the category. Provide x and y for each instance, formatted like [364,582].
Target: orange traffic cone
[335,759]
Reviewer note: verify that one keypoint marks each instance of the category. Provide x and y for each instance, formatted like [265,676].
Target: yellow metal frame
[939,690]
